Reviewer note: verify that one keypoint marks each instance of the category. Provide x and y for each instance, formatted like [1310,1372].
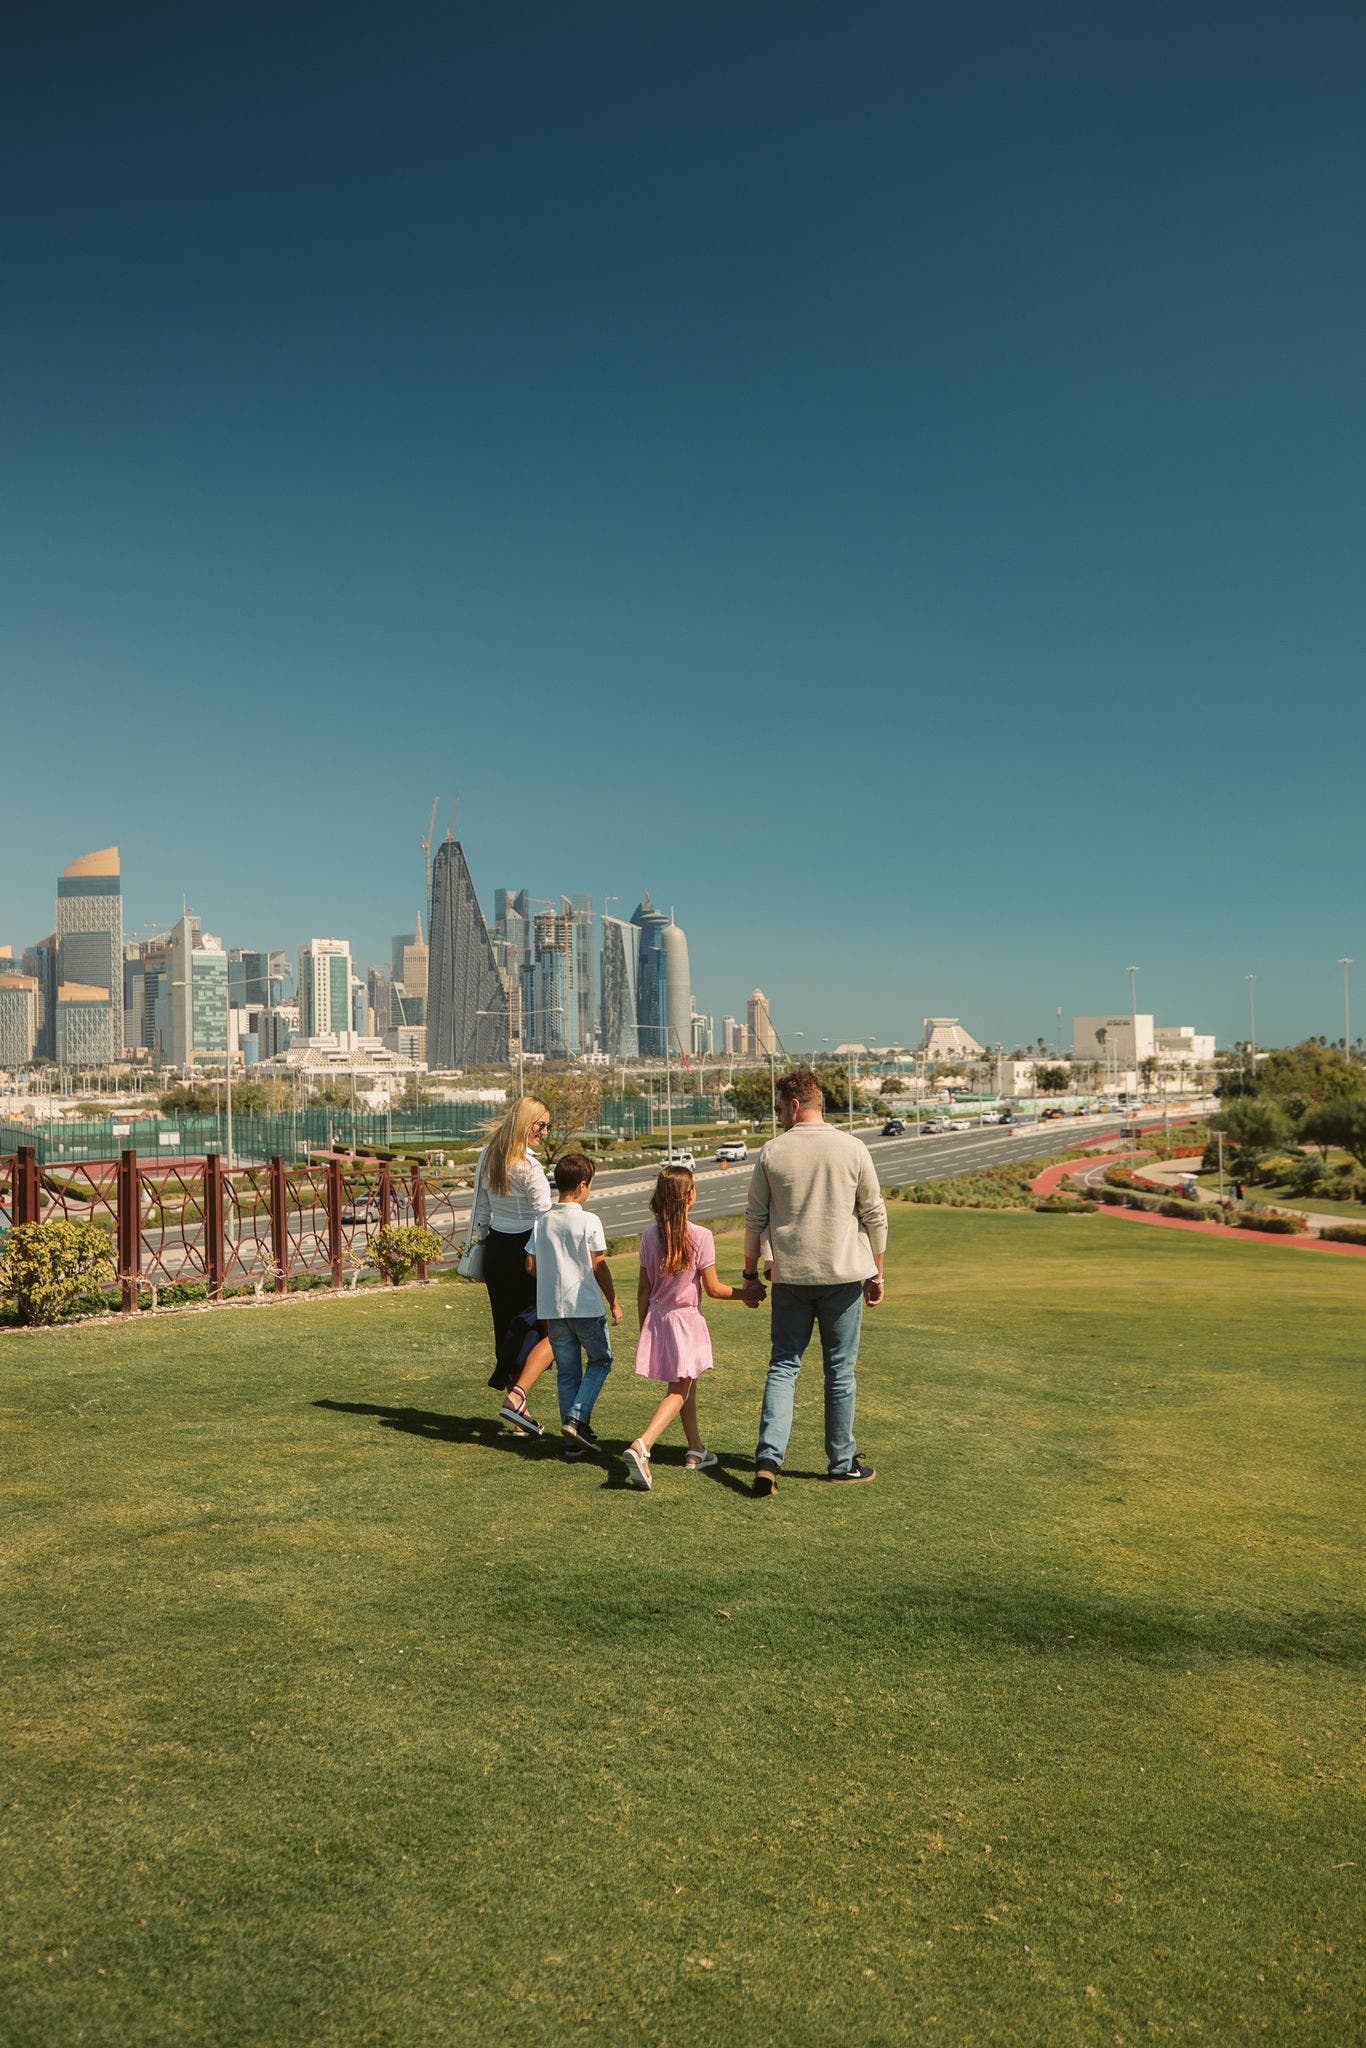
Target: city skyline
[898,485]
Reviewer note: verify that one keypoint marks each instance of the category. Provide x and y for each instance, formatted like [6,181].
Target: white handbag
[471,1266]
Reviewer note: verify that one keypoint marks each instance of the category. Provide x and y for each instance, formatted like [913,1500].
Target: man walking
[815,1192]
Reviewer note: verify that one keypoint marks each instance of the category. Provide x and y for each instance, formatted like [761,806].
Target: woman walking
[511,1192]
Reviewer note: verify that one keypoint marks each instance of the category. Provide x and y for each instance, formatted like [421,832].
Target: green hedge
[1345,1233]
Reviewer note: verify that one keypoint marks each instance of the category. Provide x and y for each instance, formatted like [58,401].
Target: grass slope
[335,1716]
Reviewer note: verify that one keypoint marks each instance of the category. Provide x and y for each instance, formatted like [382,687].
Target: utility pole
[1344,964]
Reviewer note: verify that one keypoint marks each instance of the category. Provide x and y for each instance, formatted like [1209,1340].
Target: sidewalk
[1047,1183]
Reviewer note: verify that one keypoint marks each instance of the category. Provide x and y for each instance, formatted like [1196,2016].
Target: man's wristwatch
[749,1276]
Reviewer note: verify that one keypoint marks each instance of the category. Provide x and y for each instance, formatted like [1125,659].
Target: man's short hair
[572,1171]
[802,1087]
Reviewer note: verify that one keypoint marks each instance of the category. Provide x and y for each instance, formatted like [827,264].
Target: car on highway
[957,1123]
[894,1128]
[991,1116]
[732,1149]
[680,1156]
[935,1123]
[362,1209]
[1049,1116]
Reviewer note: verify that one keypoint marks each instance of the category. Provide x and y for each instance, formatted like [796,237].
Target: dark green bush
[1275,1225]
[1064,1205]
[1344,1233]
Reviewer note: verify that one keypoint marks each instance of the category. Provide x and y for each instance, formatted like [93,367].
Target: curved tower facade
[664,986]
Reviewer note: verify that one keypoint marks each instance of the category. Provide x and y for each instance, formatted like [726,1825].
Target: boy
[567,1255]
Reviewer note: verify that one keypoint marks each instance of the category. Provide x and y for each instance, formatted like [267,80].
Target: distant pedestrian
[511,1191]
[815,1192]
[568,1258]
[1238,1190]
[677,1266]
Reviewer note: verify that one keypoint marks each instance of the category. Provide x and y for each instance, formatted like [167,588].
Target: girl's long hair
[509,1142]
[669,1207]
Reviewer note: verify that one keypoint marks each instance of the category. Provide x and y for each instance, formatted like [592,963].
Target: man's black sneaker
[765,1484]
[856,1471]
[582,1433]
[573,1450]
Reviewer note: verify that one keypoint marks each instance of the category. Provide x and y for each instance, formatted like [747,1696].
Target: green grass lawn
[335,1716]
[1278,1194]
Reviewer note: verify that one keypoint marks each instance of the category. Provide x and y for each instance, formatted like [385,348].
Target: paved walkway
[1047,1183]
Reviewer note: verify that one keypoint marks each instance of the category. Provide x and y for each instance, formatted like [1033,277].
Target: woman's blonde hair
[669,1206]
[511,1141]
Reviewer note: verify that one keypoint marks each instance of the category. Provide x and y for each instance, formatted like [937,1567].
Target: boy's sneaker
[855,1472]
[581,1433]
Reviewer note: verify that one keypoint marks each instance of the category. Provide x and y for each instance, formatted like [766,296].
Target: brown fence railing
[195,1221]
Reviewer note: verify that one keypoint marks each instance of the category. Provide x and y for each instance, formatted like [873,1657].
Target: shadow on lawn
[492,1435]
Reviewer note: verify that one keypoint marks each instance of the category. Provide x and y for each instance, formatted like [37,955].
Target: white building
[945,1040]
[325,977]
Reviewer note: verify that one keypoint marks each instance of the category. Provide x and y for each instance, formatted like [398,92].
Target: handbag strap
[474,1199]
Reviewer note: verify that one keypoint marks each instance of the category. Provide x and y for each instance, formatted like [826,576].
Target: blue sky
[888,480]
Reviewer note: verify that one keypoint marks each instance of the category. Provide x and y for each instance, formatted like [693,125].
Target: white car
[957,1123]
[732,1149]
[679,1157]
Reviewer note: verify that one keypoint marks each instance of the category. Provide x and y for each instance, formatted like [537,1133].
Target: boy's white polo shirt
[563,1242]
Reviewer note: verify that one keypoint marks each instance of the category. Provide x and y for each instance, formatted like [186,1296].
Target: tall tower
[325,989]
[759,1025]
[619,1034]
[664,1000]
[467,1001]
[90,948]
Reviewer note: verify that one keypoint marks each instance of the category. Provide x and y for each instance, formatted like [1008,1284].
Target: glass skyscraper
[664,997]
[467,1002]
[619,1035]
[90,953]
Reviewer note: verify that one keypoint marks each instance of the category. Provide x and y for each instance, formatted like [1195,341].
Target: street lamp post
[1252,1022]
[1133,1032]
[1344,964]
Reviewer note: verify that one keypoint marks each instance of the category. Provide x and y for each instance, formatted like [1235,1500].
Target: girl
[677,1260]
[511,1193]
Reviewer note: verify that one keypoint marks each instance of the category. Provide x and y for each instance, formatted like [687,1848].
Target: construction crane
[427,847]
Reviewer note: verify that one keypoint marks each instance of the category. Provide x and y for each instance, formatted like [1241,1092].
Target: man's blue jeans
[580,1382]
[797,1311]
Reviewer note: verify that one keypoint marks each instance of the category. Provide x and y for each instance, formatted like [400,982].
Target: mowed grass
[333,1715]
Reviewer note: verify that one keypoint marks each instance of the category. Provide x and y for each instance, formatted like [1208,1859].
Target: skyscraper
[759,1033]
[90,950]
[618,1033]
[579,910]
[18,1018]
[41,962]
[325,989]
[664,999]
[467,1002]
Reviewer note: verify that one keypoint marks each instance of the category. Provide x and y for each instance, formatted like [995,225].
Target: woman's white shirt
[528,1197]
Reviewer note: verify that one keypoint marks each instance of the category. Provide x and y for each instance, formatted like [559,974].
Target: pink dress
[675,1343]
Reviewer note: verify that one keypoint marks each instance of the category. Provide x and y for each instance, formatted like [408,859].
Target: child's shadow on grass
[490,1434]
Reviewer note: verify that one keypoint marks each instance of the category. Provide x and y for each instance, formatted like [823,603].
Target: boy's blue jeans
[797,1312]
[580,1378]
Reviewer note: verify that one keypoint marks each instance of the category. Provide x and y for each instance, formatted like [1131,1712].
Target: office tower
[145,968]
[83,1025]
[18,1018]
[511,937]
[41,962]
[378,994]
[664,999]
[396,946]
[703,1033]
[618,1034]
[325,989]
[467,1002]
[760,1036]
[548,1026]
[732,1036]
[90,950]
[192,1007]
[361,1018]
[579,910]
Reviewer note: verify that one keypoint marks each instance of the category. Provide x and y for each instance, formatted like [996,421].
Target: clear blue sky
[886,479]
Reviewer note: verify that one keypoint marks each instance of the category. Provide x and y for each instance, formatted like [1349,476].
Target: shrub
[45,1267]
[1064,1205]
[1344,1233]
[1273,1221]
[400,1248]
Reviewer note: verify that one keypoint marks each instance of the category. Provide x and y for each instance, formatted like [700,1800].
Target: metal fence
[257,1139]
[257,1226]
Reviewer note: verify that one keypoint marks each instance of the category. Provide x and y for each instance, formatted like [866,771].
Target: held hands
[752,1292]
